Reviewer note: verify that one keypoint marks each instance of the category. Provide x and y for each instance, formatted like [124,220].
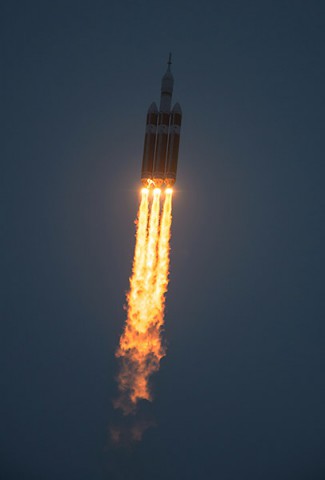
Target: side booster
[161,144]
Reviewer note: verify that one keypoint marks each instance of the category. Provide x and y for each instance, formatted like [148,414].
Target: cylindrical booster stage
[173,145]
[149,145]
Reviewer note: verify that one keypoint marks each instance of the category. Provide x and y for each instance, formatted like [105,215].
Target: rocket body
[161,145]
[161,149]
[173,145]
[149,143]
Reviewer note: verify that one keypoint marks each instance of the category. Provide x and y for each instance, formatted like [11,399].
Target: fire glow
[140,348]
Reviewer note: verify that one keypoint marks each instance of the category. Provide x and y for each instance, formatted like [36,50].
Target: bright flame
[163,256]
[140,347]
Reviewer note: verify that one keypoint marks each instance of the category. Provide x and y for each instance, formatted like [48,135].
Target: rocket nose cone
[177,109]
[167,83]
[168,76]
[153,108]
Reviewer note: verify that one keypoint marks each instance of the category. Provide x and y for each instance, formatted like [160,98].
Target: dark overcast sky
[241,393]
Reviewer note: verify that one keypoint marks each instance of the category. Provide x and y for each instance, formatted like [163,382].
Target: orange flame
[140,347]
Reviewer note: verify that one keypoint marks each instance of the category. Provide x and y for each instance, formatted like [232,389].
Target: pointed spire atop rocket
[169,61]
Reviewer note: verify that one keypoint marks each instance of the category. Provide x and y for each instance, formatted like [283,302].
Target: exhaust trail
[163,251]
[140,348]
[133,296]
[140,251]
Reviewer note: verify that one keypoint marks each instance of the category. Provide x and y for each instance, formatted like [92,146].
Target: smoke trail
[140,348]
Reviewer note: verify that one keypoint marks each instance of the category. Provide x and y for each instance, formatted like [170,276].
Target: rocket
[161,142]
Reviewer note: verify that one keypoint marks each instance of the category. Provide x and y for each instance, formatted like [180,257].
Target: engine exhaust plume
[140,347]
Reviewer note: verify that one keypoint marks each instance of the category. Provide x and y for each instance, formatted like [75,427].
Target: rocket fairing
[161,144]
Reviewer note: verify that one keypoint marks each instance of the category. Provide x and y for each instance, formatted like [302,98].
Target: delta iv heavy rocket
[161,143]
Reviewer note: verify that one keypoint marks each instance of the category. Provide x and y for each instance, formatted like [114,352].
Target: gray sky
[241,392]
